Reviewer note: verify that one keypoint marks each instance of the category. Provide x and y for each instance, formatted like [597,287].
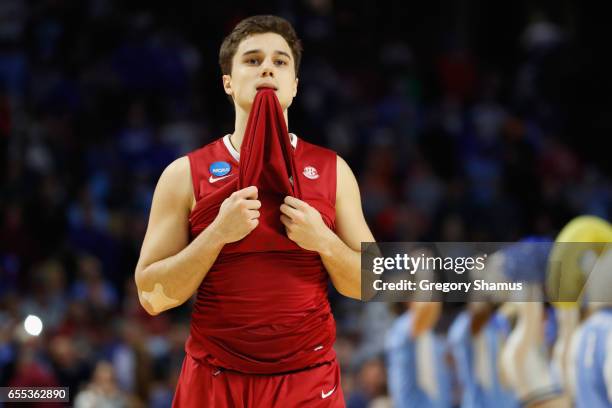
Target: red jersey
[264,311]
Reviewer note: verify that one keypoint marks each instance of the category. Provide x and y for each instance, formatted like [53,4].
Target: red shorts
[202,385]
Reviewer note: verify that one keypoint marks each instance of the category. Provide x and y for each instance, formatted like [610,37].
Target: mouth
[267,86]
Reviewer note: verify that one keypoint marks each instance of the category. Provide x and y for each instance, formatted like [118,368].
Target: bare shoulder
[341,164]
[175,183]
[178,168]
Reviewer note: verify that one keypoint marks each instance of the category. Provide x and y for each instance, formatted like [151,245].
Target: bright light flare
[33,325]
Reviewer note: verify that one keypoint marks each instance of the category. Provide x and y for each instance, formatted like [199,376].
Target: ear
[295,87]
[227,84]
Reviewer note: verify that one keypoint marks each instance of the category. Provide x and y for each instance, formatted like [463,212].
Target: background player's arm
[170,269]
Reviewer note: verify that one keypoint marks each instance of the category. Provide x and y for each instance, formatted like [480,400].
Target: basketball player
[261,330]
[475,339]
[592,359]
[418,372]
[585,261]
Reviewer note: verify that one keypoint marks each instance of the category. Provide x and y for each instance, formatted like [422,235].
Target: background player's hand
[303,224]
[238,215]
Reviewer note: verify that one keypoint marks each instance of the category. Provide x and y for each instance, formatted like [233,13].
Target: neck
[240,124]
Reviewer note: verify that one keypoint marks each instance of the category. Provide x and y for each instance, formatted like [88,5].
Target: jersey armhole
[334,188]
[194,177]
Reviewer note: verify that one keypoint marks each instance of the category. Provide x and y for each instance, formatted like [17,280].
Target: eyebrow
[259,51]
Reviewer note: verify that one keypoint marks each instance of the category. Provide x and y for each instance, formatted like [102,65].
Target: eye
[280,62]
[252,61]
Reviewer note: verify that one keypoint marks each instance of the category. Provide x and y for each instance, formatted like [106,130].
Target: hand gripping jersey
[263,308]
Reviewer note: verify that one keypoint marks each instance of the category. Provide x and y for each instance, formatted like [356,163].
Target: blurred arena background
[463,121]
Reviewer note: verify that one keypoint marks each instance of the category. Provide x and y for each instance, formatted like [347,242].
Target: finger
[254,223]
[286,220]
[295,202]
[290,212]
[253,204]
[248,193]
[253,214]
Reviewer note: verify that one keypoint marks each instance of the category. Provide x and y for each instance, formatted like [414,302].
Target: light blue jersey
[476,361]
[593,361]
[418,374]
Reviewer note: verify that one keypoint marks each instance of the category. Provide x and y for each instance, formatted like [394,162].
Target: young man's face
[262,60]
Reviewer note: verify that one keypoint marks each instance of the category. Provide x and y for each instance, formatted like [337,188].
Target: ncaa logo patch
[311,173]
[219,168]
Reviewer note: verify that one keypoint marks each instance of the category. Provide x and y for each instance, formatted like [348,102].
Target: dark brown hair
[259,25]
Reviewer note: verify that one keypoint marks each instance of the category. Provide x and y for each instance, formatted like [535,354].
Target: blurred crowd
[466,125]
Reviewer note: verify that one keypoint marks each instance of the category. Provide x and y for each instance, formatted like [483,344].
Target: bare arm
[341,252]
[342,257]
[425,316]
[170,269]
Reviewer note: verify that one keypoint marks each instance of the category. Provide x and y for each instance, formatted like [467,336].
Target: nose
[267,68]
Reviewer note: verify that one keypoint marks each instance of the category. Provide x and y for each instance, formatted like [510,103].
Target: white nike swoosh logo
[327,394]
[215,179]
